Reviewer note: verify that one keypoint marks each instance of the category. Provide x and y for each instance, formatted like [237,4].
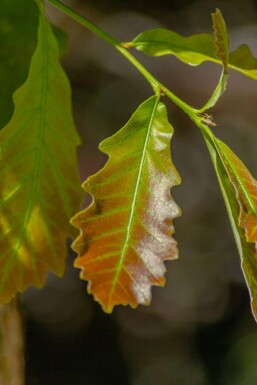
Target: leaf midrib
[176,48]
[133,205]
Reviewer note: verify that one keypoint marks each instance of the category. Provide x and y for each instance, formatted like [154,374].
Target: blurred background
[199,329]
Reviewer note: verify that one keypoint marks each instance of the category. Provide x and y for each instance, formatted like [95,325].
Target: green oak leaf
[192,50]
[242,60]
[39,178]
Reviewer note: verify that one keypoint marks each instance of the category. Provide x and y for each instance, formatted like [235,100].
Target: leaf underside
[38,173]
[194,50]
[125,235]
[239,190]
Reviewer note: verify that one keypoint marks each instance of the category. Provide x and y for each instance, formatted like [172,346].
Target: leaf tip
[108,309]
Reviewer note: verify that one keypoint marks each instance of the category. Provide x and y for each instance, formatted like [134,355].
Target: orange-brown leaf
[125,235]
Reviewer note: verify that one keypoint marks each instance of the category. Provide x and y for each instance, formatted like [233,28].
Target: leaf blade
[193,50]
[222,157]
[222,44]
[221,38]
[246,191]
[34,166]
[135,240]
[243,61]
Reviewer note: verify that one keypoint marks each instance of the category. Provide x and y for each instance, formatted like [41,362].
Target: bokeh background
[199,329]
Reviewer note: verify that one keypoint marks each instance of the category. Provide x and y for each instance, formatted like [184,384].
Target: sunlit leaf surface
[38,183]
[194,49]
[126,232]
[222,50]
[239,190]
[243,61]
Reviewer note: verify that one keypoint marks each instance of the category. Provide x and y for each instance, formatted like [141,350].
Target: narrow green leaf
[239,190]
[218,92]
[125,235]
[222,47]
[221,38]
[38,172]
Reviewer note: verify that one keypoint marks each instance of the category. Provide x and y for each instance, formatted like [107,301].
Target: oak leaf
[126,233]
[239,190]
[38,172]
[198,48]
[246,191]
